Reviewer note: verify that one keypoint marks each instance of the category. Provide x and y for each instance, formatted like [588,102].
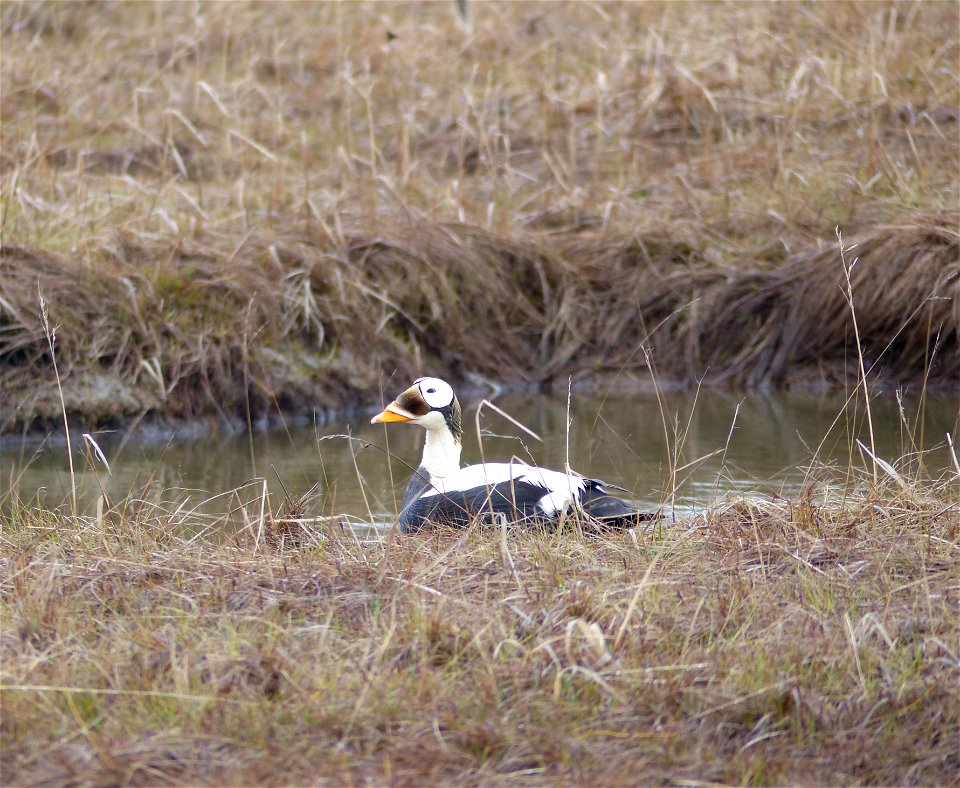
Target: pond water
[714,444]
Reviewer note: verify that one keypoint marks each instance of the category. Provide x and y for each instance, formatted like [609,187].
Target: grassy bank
[274,206]
[789,641]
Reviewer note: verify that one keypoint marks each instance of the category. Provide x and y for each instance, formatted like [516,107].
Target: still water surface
[723,443]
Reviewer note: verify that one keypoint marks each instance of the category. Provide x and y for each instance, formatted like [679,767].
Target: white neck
[441,452]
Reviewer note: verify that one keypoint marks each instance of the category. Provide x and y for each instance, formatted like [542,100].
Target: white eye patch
[435,392]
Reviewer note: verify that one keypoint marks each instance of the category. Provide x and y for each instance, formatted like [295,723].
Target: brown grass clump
[808,640]
[238,208]
[294,327]
[788,323]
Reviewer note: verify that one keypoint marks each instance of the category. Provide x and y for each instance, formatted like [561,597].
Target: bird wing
[559,488]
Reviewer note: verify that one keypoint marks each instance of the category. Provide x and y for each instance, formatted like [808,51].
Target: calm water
[723,443]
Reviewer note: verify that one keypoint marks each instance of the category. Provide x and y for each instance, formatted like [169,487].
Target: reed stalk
[50,332]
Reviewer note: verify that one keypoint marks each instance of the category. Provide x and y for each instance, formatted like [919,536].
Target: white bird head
[429,402]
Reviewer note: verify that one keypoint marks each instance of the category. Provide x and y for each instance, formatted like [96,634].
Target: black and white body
[443,493]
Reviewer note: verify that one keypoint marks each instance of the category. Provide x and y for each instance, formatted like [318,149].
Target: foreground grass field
[778,641]
[236,208]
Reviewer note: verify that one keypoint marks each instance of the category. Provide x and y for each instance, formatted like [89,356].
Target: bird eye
[431,391]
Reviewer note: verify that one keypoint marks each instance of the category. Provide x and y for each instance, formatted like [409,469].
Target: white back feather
[559,489]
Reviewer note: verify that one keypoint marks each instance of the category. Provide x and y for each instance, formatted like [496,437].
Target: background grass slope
[282,203]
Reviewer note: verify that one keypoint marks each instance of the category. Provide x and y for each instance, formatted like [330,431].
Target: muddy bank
[196,329]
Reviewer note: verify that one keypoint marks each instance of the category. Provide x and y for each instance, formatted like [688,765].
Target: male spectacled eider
[443,493]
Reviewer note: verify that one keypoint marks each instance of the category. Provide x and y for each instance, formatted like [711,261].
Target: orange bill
[388,416]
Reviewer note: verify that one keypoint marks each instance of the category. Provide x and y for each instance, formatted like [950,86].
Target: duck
[441,492]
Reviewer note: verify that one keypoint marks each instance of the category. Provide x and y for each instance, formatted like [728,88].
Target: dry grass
[244,208]
[277,204]
[786,641]
[457,300]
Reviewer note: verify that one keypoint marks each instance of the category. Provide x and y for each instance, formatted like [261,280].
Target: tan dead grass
[291,326]
[810,640]
[272,205]
[280,203]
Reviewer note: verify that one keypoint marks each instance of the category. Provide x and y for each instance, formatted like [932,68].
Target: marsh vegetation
[237,212]
[810,639]
[255,208]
